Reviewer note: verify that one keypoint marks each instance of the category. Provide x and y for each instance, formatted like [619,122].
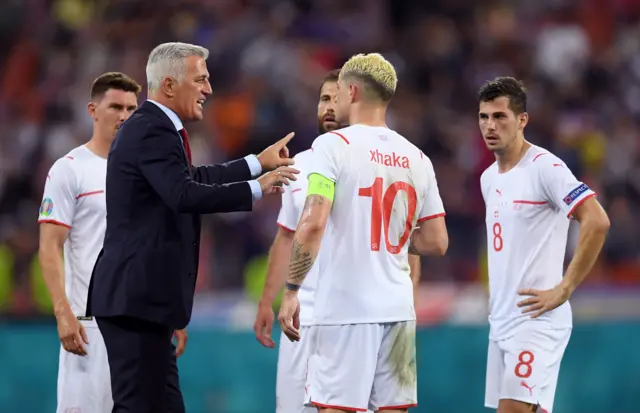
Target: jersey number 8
[381,209]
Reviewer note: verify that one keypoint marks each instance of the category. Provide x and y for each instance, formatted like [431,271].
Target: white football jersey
[384,186]
[292,206]
[74,198]
[527,216]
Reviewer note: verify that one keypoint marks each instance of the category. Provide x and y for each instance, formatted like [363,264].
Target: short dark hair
[508,87]
[113,80]
[332,76]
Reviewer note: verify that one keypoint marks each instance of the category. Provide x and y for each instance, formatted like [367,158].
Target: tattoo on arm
[301,262]
[301,259]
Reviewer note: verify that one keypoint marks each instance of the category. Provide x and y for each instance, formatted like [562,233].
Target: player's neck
[99,146]
[512,155]
[368,115]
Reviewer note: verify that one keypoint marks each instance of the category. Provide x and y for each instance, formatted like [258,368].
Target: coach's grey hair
[167,60]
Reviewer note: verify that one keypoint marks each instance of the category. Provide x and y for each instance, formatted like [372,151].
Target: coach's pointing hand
[276,155]
[271,182]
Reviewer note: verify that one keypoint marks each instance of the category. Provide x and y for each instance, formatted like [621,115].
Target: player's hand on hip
[72,333]
[289,316]
[542,301]
[181,337]
[262,326]
[271,182]
[276,155]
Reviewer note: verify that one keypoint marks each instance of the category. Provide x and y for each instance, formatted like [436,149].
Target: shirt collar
[171,114]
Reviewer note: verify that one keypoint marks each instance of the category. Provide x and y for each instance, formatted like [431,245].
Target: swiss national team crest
[46,207]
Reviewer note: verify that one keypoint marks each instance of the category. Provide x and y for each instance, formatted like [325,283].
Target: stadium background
[580,60]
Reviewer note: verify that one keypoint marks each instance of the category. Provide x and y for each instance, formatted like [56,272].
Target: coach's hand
[542,301]
[263,324]
[181,337]
[276,155]
[289,316]
[271,182]
[71,333]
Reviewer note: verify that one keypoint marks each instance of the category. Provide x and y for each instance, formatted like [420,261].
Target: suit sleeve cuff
[256,191]
[254,165]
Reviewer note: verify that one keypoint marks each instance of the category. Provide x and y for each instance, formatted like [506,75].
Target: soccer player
[530,195]
[72,221]
[292,356]
[368,190]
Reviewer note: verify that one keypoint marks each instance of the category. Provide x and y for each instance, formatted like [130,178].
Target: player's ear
[353,90]
[91,108]
[523,119]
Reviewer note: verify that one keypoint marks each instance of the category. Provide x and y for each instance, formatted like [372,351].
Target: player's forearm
[304,252]
[52,264]
[277,267]
[590,241]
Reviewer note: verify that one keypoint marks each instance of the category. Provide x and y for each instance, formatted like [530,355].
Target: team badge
[46,207]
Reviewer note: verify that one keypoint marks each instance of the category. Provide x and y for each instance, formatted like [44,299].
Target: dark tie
[187,147]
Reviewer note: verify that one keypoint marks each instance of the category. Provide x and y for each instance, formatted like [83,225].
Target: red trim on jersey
[543,409]
[53,221]
[401,407]
[421,155]
[327,406]
[89,193]
[343,138]
[296,190]
[580,203]
[539,155]
[519,201]
[432,217]
[285,228]
[70,157]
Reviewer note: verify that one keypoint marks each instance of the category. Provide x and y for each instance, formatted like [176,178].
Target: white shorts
[84,382]
[525,367]
[363,366]
[292,373]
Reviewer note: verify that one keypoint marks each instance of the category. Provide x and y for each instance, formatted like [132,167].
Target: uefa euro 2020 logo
[46,207]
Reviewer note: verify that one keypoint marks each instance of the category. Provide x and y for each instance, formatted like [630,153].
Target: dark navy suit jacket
[148,264]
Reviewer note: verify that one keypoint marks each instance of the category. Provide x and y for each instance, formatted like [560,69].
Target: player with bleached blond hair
[374,198]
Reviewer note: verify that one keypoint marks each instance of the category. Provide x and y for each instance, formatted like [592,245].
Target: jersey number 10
[381,209]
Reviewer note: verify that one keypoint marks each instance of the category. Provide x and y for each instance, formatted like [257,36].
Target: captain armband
[320,185]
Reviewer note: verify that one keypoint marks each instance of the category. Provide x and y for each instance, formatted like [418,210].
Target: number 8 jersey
[384,186]
[527,216]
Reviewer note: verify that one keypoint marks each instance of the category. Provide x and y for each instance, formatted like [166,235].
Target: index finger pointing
[287,138]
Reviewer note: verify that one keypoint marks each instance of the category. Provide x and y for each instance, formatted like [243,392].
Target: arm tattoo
[300,264]
[301,259]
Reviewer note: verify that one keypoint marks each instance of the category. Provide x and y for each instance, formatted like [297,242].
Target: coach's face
[326,108]
[190,94]
[499,124]
[112,109]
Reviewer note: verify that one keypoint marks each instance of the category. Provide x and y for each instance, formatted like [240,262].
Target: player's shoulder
[538,157]
[73,160]
[333,138]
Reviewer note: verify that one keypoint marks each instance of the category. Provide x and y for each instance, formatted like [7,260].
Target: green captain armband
[320,185]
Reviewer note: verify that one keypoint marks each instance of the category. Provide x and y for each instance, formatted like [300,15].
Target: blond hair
[376,73]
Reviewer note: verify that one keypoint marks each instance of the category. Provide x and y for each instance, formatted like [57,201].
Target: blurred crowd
[580,61]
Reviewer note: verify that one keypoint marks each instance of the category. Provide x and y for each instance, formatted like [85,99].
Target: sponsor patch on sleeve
[575,194]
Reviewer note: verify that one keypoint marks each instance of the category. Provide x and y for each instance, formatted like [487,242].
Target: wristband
[292,287]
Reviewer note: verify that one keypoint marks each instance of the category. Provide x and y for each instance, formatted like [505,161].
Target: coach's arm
[50,252]
[244,169]
[162,164]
